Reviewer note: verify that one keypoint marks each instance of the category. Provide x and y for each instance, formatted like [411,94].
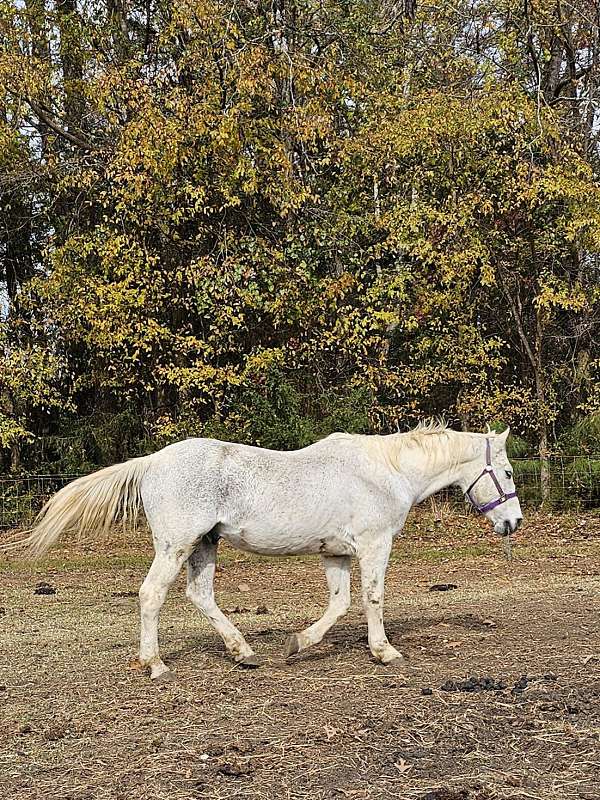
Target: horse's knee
[372,594]
[150,597]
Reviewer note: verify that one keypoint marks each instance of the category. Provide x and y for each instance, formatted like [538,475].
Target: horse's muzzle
[512,527]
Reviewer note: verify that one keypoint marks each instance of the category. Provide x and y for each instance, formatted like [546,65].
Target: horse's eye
[508,473]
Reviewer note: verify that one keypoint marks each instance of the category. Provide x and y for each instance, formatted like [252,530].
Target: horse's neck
[438,465]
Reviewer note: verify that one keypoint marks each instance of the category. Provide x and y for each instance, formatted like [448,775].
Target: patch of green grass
[65,561]
[409,551]
[83,563]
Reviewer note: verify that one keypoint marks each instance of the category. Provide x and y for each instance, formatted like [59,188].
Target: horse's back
[215,453]
[231,483]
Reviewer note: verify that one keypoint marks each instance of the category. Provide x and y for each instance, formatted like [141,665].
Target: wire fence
[573,482]
[22,496]
[570,483]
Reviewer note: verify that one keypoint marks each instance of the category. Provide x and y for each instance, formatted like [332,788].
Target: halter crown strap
[489,470]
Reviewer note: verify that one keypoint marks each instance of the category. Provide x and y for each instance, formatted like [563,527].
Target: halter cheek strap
[489,470]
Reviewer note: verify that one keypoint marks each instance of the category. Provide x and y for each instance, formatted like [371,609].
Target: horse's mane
[428,426]
[433,437]
[426,436]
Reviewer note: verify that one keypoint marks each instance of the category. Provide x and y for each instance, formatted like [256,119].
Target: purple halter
[488,470]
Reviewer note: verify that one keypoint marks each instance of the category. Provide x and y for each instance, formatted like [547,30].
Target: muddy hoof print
[164,677]
[251,662]
[292,646]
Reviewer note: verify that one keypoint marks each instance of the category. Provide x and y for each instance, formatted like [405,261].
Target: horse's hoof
[165,677]
[251,662]
[292,646]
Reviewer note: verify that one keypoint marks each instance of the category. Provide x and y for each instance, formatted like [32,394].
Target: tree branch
[519,324]
[48,120]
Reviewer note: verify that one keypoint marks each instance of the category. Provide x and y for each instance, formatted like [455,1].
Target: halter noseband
[489,470]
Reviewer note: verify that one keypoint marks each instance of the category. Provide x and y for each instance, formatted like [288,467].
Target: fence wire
[573,483]
[22,496]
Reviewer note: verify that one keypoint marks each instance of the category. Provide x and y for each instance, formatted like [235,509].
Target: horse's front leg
[373,555]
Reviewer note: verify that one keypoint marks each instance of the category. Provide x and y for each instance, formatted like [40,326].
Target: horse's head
[487,481]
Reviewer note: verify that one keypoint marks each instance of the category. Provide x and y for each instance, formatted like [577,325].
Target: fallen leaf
[403,767]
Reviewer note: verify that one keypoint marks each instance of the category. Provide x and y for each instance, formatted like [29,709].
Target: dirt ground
[77,721]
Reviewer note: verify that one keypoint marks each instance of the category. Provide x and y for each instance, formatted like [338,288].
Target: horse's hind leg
[200,590]
[153,591]
[337,572]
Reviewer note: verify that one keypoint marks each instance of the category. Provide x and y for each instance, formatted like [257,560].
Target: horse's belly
[266,542]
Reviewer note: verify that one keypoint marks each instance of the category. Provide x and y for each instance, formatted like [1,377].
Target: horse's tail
[89,504]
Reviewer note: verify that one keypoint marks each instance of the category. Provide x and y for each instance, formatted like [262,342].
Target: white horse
[347,495]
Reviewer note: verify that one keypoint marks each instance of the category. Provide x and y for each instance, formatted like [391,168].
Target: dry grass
[78,723]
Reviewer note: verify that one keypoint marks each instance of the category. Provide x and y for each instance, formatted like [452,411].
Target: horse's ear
[487,425]
[504,435]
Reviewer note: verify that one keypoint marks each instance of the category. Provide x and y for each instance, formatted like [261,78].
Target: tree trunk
[15,457]
[544,464]
[540,388]
[40,49]
[71,63]
[535,356]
